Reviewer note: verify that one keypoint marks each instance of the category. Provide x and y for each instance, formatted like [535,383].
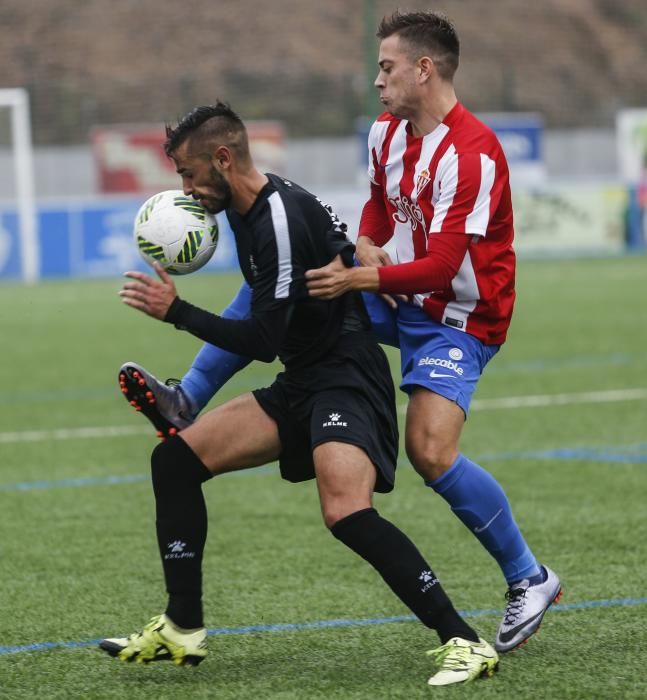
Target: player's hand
[370,255]
[329,281]
[148,294]
[335,279]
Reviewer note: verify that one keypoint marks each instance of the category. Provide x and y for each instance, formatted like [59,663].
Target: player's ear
[222,157]
[425,68]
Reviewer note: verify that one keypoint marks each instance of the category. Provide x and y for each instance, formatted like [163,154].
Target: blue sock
[213,367]
[480,503]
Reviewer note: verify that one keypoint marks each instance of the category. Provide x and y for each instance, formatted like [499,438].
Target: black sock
[401,565]
[181,527]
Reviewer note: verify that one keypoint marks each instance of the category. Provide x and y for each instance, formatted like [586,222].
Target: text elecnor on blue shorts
[447,364]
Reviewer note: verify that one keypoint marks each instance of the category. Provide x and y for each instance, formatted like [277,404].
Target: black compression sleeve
[250,337]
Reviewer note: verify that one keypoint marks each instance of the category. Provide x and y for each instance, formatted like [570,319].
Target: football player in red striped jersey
[440,197]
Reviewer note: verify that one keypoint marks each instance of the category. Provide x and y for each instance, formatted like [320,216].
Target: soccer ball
[176,231]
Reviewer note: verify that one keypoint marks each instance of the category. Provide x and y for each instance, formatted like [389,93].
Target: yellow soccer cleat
[461,661]
[160,640]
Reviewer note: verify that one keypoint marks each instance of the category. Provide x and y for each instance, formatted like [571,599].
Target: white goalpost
[17,100]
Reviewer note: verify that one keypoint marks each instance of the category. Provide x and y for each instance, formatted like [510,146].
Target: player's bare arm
[335,279]
[151,296]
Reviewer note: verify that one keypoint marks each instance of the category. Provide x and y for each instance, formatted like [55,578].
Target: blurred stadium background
[562,81]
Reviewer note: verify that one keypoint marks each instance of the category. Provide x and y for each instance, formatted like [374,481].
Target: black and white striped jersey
[287,231]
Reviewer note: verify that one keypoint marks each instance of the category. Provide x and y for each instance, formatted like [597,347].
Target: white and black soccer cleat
[525,609]
[165,405]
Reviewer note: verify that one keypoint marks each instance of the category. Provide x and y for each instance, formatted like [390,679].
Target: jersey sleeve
[252,337]
[374,222]
[434,272]
[337,241]
[373,149]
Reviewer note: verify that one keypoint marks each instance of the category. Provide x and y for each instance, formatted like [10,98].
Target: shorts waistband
[411,312]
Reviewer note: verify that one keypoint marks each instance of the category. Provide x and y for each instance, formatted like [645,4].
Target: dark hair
[426,33]
[217,122]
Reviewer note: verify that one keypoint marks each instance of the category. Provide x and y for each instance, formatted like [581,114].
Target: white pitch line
[541,400]
[505,402]
[106,431]
[560,399]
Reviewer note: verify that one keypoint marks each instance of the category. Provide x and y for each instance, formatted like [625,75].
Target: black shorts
[348,397]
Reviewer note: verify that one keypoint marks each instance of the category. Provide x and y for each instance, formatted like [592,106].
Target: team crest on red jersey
[422,181]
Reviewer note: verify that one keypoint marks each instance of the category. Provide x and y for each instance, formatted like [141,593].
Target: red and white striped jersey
[453,180]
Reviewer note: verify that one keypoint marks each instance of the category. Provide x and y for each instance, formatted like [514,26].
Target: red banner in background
[131,158]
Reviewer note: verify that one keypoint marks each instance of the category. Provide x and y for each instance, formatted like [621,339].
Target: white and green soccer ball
[176,231]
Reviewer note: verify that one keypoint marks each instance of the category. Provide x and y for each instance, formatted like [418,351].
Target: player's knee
[335,511]
[430,458]
[332,515]
[173,464]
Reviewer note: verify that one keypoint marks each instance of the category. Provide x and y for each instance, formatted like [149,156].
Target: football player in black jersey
[330,415]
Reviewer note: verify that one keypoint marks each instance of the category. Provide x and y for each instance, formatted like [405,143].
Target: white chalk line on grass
[505,402]
[325,624]
[544,400]
[540,400]
[91,432]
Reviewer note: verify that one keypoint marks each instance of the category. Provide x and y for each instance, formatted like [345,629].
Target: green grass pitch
[560,418]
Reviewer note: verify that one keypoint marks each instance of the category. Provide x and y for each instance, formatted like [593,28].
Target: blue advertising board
[91,239]
[520,134]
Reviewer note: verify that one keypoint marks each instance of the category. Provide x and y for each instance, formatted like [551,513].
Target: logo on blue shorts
[438,362]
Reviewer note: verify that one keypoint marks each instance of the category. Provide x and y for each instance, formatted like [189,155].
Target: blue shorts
[384,319]
[439,358]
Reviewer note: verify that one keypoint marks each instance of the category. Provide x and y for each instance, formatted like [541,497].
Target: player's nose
[187,186]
